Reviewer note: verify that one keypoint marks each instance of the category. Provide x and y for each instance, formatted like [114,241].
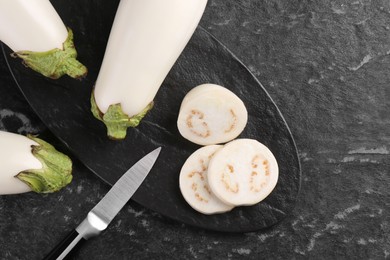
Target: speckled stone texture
[327,66]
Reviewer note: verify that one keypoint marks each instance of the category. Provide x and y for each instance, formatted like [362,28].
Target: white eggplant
[211,114]
[31,164]
[146,39]
[243,172]
[35,32]
[194,185]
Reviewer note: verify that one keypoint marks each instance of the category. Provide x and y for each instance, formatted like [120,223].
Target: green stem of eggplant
[56,171]
[116,120]
[56,62]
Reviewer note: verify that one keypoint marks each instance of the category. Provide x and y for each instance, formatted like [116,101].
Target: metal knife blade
[124,188]
[108,207]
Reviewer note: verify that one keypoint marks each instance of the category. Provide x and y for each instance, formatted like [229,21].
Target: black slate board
[63,105]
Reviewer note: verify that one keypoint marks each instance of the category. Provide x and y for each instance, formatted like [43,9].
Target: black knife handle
[65,246]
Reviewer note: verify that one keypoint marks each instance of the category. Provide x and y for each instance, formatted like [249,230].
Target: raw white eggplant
[194,185]
[37,35]
[146,39]
[243,172]
[211,114]
[31,164]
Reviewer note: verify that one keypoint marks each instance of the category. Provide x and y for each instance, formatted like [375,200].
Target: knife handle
[65,246]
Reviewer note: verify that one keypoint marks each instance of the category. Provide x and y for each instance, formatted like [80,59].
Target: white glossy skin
[146,39]
[211,114]
[31,25]
[15,156]
[194,185]
[244,172]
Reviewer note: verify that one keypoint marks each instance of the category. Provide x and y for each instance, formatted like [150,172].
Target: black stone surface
[327,66]
[66,112]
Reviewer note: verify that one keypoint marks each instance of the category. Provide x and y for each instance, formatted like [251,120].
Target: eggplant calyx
[56,62]
[116,120]
[56,171]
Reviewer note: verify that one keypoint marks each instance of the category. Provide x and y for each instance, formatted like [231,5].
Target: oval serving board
[63,105]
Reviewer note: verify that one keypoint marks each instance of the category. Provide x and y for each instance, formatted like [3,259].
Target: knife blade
[108,207]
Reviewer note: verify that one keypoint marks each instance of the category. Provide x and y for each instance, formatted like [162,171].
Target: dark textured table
[327,66]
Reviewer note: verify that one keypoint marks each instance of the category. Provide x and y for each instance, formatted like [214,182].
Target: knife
[103,213]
